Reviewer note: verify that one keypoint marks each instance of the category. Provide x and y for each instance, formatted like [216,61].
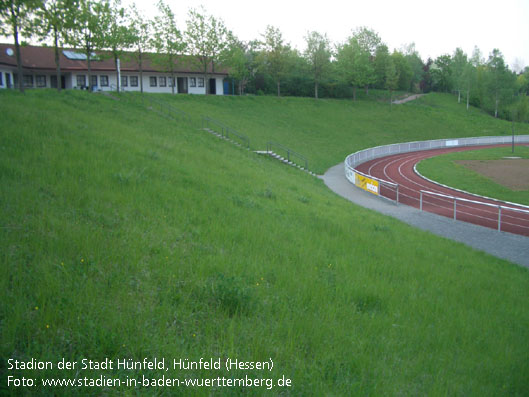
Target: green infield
[136,249]
[488,172]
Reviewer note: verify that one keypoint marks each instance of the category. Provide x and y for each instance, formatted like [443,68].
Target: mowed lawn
[124,235]
[447,170]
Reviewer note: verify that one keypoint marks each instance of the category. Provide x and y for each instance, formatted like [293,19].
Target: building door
[182,85]
[212,86]
[8,80]
[53,81]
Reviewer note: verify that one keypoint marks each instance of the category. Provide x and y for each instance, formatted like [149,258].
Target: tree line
[267,65]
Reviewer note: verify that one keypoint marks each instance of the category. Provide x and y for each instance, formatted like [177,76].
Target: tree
[403,70]
[140,31]
[520,113]
[426,83]
[318,56]
[441,71]
[469,80]
[353,63]
[167,40]
[274,55]
[391,79]
[416,66]
[91,22]
[118,37]
[55,18]
[380,65]
[367,39]
[500,81]
[522,81]
[15,20]
[207,38]
[459,67]
[240,58]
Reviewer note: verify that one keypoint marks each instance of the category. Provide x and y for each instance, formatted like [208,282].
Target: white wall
[71,81]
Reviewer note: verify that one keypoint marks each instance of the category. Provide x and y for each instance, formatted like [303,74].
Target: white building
[39,70]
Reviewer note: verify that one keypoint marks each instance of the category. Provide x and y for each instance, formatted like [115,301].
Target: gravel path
[407,99]
[503,245]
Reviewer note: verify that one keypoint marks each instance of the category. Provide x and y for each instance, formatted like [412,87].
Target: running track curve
[399,169]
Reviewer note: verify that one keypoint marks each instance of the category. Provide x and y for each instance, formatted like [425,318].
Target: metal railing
[456,199]
[362,156]
[167,109]
[291,156]
[225,131]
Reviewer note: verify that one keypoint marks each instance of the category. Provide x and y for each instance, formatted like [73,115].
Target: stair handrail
[290,153]
[225,131]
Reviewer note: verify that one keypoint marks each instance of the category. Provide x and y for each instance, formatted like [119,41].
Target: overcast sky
[436,28]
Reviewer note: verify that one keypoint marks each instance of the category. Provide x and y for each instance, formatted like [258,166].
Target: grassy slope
[327,130]
[445,169]
[122,235]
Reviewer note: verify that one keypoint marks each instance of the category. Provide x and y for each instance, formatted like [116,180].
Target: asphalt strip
[512,247]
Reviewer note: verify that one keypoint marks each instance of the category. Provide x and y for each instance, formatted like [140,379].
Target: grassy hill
[328,130]
[124,235]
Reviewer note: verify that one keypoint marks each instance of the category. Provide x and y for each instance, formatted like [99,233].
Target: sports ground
[440,199]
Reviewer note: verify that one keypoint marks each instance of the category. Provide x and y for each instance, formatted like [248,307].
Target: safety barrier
[463,200]
[225,131]
[354,159]
[291,156]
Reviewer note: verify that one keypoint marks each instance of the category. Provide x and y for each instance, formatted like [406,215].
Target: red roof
[43,58]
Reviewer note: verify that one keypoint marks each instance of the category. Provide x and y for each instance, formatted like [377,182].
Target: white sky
[436,27]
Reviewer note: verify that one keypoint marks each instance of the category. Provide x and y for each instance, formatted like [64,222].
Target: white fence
[353,160]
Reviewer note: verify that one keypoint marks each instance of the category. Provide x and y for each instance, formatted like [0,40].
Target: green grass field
[124,236]
[326,130]
[445,169]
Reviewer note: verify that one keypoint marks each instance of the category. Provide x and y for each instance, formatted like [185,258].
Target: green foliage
[139,28]
[392,77]
[167,40]
[92,21]
[15,19]
[207,38]
[441,71]
[54,19]
[382,58]
[403,69]
[318,56]
[354,65]
[275,55]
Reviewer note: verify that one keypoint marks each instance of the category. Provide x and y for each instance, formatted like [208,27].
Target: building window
[133,81]
[124,81]
[41,81]
[104,81]
[94,80]
[28,80]
[1,79]
[163,81]
[201,82]
[153,81]
[171,82]
[81,80]
[192,82]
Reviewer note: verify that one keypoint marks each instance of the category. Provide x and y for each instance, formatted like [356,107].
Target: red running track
[399,169]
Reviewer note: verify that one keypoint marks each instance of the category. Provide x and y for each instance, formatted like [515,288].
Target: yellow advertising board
[368,184]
